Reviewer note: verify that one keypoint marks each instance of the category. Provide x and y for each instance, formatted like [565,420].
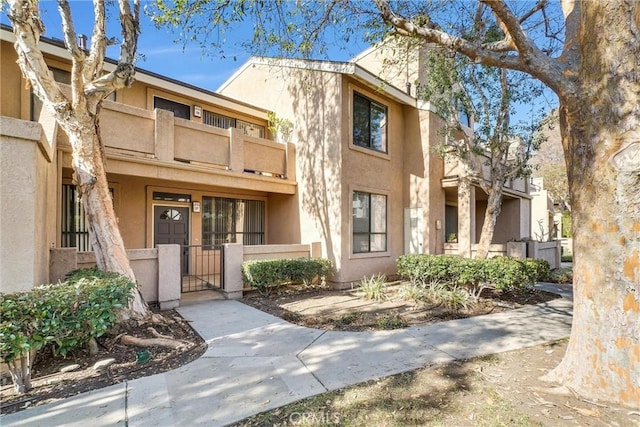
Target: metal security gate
[204,268]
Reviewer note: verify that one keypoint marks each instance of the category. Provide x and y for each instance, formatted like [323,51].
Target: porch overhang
[187,173]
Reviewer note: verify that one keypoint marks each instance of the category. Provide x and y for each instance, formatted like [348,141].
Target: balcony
[453,170]
[155,144]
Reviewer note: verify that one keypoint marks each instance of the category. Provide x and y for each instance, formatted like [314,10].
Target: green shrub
[567,258]
[502,273]
[450,296]
[561,275]
[374,287]
[423,269]
[265,274]
[66,315]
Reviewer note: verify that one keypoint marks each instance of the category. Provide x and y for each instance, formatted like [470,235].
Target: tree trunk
[602,143]
[91,181]
[494,204]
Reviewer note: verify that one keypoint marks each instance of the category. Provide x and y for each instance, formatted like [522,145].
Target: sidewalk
[256,362]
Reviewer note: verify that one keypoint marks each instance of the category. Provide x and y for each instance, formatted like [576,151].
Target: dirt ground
[498,390]
[348,310]
[130,362]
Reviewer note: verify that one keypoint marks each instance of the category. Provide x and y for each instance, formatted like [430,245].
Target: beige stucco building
[187,166]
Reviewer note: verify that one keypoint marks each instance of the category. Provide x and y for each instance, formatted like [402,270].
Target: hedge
[502,273]
[264,274]
[66,314]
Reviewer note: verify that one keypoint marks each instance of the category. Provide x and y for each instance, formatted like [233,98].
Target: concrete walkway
[256,362]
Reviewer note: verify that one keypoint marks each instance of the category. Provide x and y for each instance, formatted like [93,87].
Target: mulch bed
[49,384]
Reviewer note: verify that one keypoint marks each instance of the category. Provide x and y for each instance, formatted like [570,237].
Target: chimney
[82,41]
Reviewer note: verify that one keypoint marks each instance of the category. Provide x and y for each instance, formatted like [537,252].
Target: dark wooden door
[171,226]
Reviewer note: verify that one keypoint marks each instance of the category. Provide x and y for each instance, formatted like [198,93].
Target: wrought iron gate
[203,268]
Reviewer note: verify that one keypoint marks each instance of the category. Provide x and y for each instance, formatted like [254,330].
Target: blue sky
[159,52]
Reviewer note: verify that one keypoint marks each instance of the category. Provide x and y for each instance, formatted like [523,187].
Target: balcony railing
[157,134]
[453,167]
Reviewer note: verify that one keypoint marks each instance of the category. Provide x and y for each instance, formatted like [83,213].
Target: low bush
[561,275]
[501,273]
[374,287]
[265,274]
[66,315]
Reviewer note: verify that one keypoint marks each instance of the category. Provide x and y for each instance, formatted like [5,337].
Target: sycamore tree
[77,114]
[588,53]
[499,147]
[597,80]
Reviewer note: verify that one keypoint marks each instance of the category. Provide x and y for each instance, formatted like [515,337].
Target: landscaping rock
[103,364]
[70,368]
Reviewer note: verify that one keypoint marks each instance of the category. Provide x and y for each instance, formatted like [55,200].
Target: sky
[160,53]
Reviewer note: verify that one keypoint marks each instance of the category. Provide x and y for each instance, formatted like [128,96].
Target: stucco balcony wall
[137,135]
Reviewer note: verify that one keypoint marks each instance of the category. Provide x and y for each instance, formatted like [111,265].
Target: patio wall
[157,270]
[548,251]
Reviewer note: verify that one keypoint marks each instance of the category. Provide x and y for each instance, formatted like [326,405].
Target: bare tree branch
[547,70]
[539,6]
[98,42]
[77,55]
[122,76]
[27,27]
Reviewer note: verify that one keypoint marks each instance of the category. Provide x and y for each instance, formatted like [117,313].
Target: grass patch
[391,322]
[349,319]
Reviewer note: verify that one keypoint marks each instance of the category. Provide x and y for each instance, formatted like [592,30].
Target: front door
[171,226]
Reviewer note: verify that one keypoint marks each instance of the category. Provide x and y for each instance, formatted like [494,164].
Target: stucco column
[236,150]
[233,258]
[466,217]
[164,134]
[169,277]
[24,211]
[291,162]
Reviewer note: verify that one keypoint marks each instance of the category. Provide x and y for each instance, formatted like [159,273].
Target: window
[225,122]
[75,226]
[179,110]
[369,124]
[369,222]
[232,221]
[171,197]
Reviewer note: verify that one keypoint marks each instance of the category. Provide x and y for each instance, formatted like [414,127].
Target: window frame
[385,136]
[369,233]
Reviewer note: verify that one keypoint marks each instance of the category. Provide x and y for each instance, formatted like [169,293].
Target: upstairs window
[369,124]
[225,122]
[179,110]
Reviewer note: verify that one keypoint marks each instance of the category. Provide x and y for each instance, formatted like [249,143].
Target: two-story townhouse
[185,166]
[371,185]
[198,168]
